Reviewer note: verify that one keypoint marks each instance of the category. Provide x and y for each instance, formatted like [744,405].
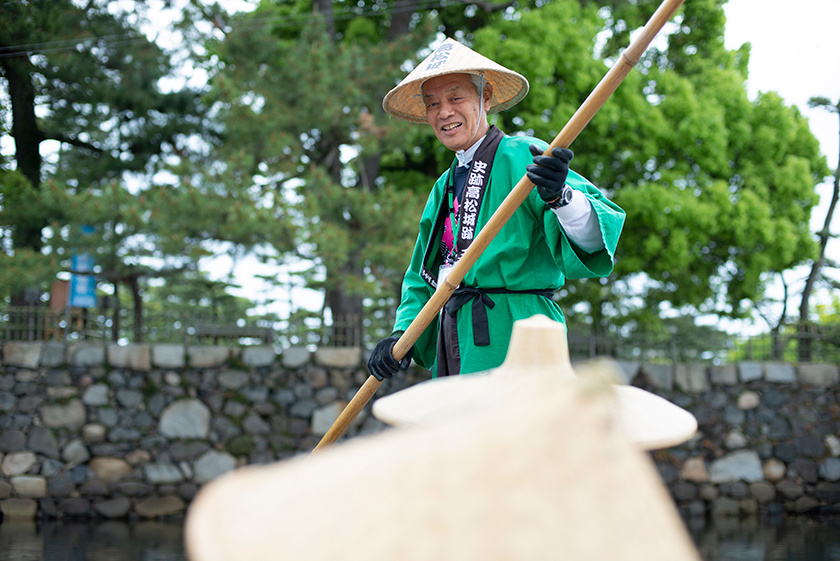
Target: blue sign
[82,286]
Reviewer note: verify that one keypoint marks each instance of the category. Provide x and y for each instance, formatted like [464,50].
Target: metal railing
[806,344]
[40,323]
[799,344]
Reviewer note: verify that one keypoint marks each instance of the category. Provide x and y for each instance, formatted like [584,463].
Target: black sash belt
[480,302]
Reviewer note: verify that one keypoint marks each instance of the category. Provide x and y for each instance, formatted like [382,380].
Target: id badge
[443,272]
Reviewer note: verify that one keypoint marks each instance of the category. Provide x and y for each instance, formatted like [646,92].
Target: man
[566,228]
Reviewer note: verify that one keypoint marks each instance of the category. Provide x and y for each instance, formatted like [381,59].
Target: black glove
[549,173]
[382,363]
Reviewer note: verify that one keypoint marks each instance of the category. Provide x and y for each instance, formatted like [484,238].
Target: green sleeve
[573,261]
[576,263]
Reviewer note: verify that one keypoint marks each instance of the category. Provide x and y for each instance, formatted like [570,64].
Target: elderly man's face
[453,110]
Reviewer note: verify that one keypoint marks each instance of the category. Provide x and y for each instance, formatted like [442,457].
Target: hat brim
[536,368]
[651,421]
[405,101]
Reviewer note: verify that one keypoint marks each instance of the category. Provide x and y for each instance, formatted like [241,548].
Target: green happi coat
[531,252]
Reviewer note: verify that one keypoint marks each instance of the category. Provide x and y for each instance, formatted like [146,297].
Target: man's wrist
[563,199]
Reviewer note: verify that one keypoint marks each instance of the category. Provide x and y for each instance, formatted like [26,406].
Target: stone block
[93,433]
[17,463]
[735,440]
[86,354]
[15,440]
[805,504]
[162,472]
[338,357]
[207,356]
[26,355]
[54,354]
[70,415]
[213,464]
[828,492]
[821,375]
[830,469]
[748,400]
[62,485]
[660,376]
[790,489]
[186,418]
[154,507]
[774,470]
[762,491]
[168,356]
[691,378]
[8,402]
[97,395]
[75,452]
[232,379]
[684,491]
[109,469]
[725,375]
[29,486]
[694,470]
[295,357]
[324,417]
[725,508]
[42,440]
[131,357]
[831,442]
[743,465]
[256,357]
[749,371]
[113,508]
[780,373]
[18,509]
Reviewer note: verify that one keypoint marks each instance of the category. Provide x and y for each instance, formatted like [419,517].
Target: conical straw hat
[555,478]
[532,367]
[406,102]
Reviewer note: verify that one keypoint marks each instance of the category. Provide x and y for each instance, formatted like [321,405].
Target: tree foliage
[718,189]
[301,113]
[286,151]
[125,140]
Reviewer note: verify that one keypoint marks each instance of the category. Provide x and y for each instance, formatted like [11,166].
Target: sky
[796,53]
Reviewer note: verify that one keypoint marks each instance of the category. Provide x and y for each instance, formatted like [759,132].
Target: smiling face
[454,111]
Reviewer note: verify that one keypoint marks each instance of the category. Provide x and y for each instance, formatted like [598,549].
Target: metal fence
[807,344]
[799,344]
[40,323]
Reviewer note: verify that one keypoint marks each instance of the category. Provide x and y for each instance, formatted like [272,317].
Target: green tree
[299,98]
[84,85]
[817,274]
[130,139]
[718,189]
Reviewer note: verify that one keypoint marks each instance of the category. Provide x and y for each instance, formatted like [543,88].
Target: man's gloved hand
[382,363]
[549,173]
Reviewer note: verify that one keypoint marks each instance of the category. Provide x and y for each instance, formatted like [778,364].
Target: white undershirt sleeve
[580,223]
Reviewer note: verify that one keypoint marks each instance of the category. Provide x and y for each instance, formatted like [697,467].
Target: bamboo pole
[593,103]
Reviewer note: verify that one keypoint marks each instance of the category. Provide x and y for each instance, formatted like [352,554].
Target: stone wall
[768,440]
[108,431]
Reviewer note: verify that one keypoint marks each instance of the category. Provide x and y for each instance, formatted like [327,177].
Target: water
[792,539]
[91,541]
